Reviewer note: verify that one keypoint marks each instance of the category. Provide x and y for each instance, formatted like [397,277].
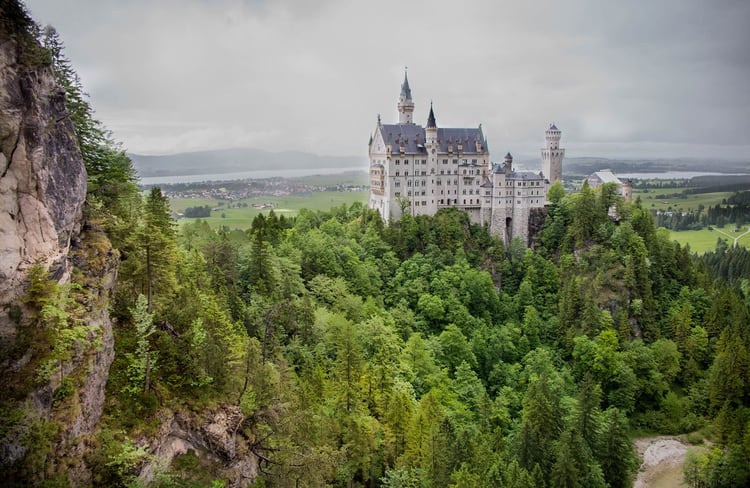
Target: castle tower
[552,155]
[405,103]
[508,163]
[627,190]
[430,131]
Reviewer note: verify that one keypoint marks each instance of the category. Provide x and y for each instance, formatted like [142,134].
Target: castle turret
[405,103]
[430,131]
[508,163]
[552,154]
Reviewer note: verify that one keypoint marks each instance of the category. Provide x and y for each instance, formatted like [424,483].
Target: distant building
[607,176]
[419,170]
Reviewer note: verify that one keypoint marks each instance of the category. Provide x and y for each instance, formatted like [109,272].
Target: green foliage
[142,362]
[411,355]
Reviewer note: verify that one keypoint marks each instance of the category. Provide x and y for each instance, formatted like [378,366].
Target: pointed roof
[431,119]
[509,156]
[553,127]
[405,90]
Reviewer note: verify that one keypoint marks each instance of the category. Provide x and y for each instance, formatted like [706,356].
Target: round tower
[552,154]
[405,103]
[627,190]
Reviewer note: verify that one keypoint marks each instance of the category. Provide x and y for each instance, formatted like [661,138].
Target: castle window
[398,183]
[398,193]
[406,173]
[455,161]
[398,162]
[408,183]
[416,203]
[519,202]
[445,161]
[473,161]
[396,173]
[441,172]
[408,192]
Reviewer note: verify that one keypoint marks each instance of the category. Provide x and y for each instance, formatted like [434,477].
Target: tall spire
[405,103]
[405,90]
[431,118]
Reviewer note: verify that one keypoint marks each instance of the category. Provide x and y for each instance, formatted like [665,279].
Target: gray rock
[42,177]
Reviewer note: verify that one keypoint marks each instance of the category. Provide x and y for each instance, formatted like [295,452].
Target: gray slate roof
[412,136]
[517,175]
[606,176]
[524,175]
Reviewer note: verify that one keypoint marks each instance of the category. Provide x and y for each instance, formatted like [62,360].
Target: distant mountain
[587,165]
[236,160]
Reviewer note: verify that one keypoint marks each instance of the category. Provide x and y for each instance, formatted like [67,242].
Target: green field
[704,240]
[700,241]
[241,218]
[673,199]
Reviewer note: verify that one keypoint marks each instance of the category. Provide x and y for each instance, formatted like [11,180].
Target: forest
[422,353]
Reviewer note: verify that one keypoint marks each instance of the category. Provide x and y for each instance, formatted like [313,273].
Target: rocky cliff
[42,175]
[54,371]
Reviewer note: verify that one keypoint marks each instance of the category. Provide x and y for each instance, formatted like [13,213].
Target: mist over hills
[586,165]
[248,159]
[237,160]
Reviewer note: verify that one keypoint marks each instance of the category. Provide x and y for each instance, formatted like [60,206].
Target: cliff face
[45,418]
[42,176]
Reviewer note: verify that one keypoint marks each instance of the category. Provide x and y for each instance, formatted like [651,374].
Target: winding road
[736,239]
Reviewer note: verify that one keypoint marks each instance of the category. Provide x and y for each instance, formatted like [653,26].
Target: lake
[241,175]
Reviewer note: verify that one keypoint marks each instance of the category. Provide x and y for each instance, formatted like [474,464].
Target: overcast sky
[636,78]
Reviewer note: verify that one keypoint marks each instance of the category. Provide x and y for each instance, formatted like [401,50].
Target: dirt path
[662,462]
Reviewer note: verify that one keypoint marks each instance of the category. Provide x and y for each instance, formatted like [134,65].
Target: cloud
[181,75]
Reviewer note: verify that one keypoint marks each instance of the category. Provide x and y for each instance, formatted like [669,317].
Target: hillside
[588,165]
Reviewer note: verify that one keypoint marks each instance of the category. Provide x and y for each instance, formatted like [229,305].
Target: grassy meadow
[241,218]
[700,241]
[704,240]
[672,199]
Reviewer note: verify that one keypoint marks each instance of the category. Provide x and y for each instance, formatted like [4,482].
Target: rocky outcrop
[212,435]
[42,193]
[42,176]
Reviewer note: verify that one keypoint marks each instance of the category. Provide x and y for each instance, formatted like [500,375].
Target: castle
[419,170]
